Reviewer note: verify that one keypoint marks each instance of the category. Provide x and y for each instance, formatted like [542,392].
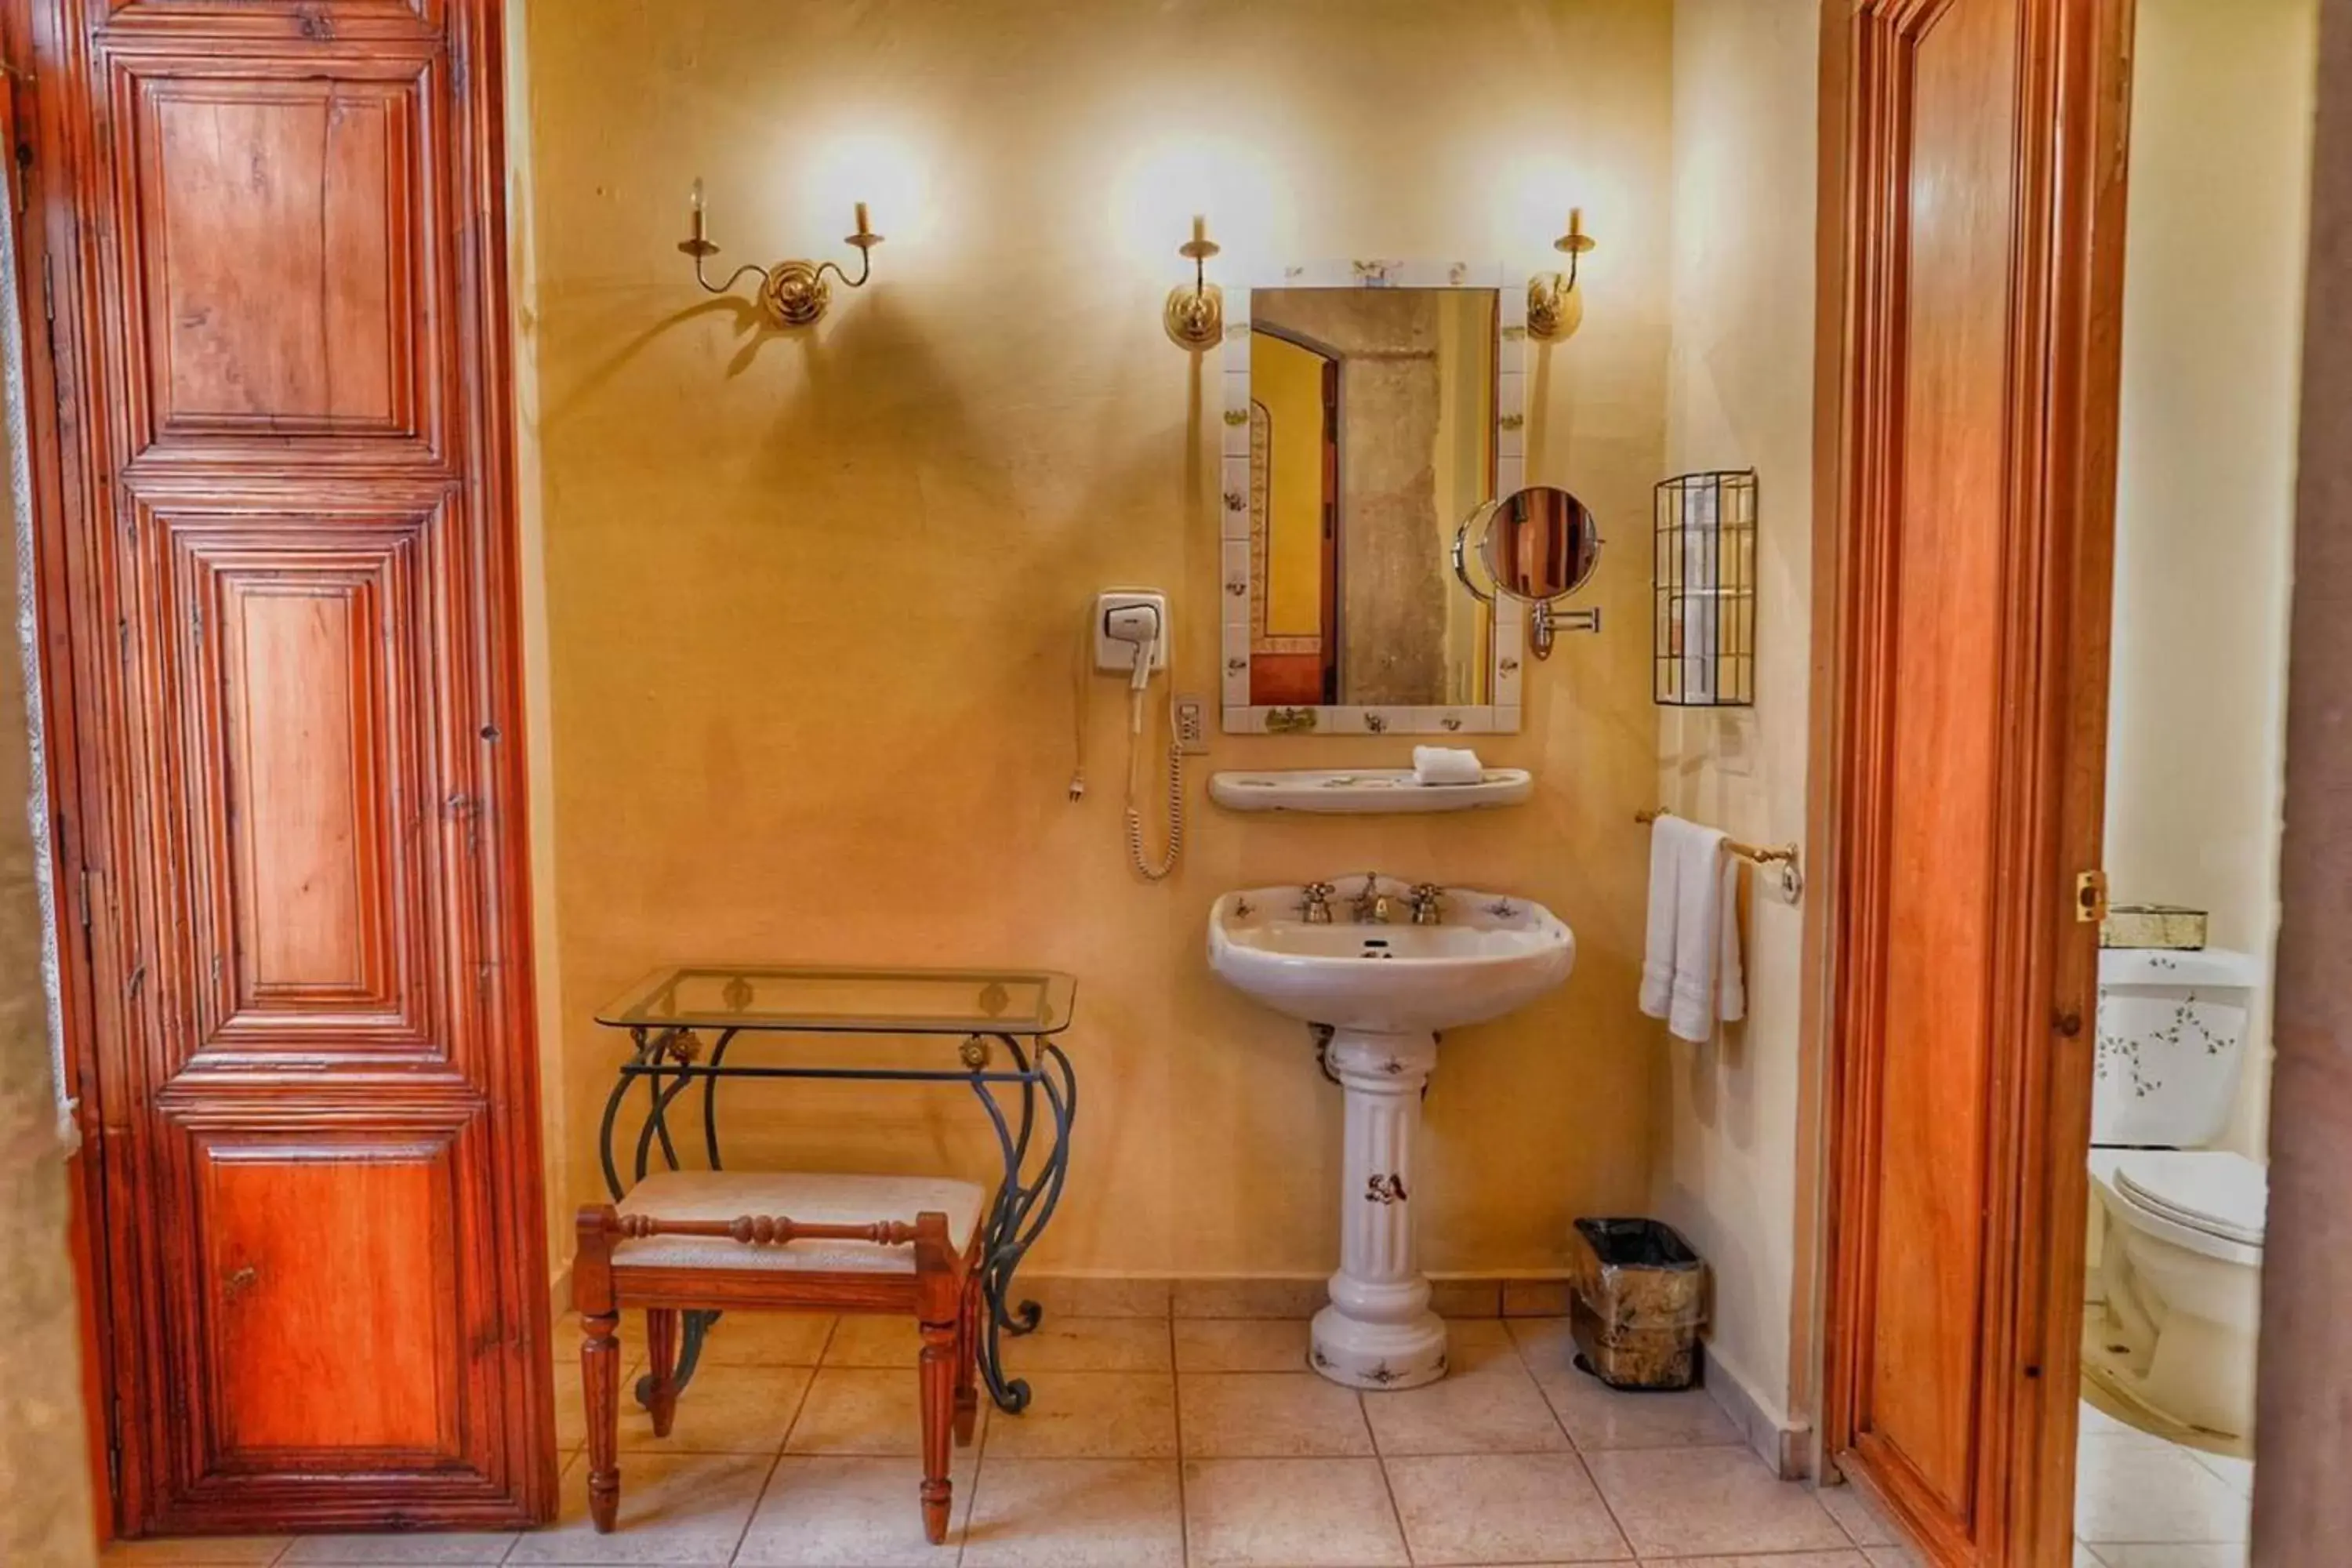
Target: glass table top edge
[650,1002]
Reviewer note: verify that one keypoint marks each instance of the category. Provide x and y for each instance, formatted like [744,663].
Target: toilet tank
[2172,1043]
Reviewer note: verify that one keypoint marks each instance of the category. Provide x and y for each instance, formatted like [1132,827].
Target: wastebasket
[1639,1300]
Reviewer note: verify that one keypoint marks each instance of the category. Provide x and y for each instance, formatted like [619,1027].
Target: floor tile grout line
[1388,1486]
[979,1476]
[800,1408]
[1183,1513]
[1617,1524]
[752,1517]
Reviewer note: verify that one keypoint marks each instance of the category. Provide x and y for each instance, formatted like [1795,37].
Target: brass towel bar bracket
[1783,855]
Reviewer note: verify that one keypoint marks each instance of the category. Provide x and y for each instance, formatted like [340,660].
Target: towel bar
[1761,855]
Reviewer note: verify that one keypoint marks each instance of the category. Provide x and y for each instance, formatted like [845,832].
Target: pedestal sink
[1384,988]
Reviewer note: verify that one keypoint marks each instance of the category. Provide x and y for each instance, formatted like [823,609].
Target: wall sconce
[1555,310]
[1195,317]
[791,293]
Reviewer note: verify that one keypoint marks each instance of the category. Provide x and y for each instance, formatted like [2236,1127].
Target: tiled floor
[1160,1443]
[2143,1502]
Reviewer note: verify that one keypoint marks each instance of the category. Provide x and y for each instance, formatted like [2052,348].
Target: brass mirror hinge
[2090,897]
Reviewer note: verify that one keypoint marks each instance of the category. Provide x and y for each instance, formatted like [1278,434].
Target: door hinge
[85,900]
[114,1448]
[2090,897]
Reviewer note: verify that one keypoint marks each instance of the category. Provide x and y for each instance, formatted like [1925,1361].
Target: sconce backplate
[1555,307]
[795,294]
[1195,315]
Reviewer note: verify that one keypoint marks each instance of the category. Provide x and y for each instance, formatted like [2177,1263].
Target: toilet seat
[2219,1199]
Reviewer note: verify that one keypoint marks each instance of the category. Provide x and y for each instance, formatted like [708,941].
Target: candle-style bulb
[697,197]
[1575,221]
[861,219]
[1200,227]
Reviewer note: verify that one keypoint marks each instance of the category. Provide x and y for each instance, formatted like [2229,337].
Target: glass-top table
[1032,1002]
[1004,1021]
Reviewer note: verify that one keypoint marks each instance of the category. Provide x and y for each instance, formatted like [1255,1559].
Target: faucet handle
[1427,900]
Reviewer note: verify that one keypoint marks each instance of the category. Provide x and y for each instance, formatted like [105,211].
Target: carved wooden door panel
[282,586]
[1983,257]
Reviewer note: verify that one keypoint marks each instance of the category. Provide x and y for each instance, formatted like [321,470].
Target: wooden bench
[759,1241]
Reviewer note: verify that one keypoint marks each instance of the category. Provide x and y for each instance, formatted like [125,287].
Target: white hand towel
[1658,951]
[1445,766]
[1691,973]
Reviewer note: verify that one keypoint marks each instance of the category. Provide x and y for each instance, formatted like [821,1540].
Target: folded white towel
[1445,766]
[1691,973]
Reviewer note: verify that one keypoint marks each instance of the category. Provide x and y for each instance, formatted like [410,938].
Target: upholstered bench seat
[805,1199]
[734,1241]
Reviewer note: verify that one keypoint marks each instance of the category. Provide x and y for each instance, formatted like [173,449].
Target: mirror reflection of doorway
[1373,433]
[1295,441]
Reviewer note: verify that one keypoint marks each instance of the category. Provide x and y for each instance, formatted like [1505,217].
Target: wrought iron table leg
[1023,1207]
[693,1327]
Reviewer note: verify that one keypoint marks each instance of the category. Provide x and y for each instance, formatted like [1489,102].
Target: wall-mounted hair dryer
[1140,624]
[1130,637]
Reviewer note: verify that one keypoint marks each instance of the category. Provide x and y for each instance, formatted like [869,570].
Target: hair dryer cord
[1151,871]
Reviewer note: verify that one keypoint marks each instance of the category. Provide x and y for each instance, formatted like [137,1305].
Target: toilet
[2176,1291]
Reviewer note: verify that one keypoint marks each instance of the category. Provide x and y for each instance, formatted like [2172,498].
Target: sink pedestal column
[1378,1332]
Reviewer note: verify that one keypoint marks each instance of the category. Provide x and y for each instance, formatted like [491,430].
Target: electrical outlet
[1192,725]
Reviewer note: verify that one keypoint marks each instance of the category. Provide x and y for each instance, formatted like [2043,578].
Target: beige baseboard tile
[1276,1296]
[1536,1298]
[1783,1443]
[1465,1296]
[1094,1295]
[1203,1296]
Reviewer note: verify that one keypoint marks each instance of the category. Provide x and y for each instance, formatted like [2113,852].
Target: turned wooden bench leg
[967,1387]
[600,1361]
[661,1366]
[600,1371]
[939,1374]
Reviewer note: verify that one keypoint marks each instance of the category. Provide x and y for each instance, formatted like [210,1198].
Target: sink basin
[1491,954]
[1384,990]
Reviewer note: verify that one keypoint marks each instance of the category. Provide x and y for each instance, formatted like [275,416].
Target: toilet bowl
[2181,1268]
[2176,1293]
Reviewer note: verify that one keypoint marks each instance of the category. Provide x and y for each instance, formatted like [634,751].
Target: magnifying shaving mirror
[1537,545]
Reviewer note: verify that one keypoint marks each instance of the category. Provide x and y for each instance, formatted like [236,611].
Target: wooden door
[1982,247]
[279,607]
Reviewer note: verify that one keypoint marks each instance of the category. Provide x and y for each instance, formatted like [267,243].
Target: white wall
[1741,395]
[2222,120]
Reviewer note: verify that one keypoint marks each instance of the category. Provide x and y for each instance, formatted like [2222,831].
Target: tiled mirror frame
[1499,716]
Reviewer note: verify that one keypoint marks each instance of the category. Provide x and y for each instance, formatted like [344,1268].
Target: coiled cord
[1145,867]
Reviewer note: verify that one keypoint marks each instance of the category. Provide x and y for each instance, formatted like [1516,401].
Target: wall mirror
[1370,408]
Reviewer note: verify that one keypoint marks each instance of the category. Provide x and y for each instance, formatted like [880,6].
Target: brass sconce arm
[1195,317]
[791,293]
[702,249]
[1555,310]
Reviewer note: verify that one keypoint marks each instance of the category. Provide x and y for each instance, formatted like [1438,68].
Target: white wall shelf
[1364,792]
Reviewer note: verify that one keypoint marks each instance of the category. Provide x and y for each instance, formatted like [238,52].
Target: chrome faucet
[1315,903]
[1427,901]
[1372,905]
